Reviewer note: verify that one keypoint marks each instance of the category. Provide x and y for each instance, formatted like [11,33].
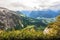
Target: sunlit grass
[23,34]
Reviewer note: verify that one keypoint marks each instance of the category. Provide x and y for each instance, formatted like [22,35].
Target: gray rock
[9,19]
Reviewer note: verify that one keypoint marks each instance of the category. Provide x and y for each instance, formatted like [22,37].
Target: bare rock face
[9,19]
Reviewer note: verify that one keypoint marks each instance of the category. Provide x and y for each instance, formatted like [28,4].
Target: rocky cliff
[9,19]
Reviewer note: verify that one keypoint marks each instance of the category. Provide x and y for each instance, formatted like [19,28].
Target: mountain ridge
[42,13]
[9,19]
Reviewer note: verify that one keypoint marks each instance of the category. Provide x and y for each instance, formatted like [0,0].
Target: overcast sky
[30,4]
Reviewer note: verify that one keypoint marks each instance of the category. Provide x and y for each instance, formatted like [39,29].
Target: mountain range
[10,19]
[42,14]
[18,19]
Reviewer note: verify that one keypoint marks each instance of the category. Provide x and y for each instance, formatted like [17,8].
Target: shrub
[25,34]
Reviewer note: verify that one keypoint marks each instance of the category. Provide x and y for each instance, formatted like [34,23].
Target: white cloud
[30,4]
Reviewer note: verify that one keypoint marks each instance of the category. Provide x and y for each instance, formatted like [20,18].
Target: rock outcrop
[9,19]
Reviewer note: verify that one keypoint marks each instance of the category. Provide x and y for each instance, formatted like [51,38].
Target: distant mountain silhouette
[43,13]
[25,12]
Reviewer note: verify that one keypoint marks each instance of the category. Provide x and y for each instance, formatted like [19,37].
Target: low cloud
[30,4]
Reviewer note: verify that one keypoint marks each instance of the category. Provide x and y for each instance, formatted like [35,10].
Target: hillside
[16,20]
[9,19]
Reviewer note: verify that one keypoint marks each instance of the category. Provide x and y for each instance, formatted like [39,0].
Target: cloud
[30,4]
[55,6]
[19,5]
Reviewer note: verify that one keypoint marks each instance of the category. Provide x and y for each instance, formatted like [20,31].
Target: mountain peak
[9,19]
